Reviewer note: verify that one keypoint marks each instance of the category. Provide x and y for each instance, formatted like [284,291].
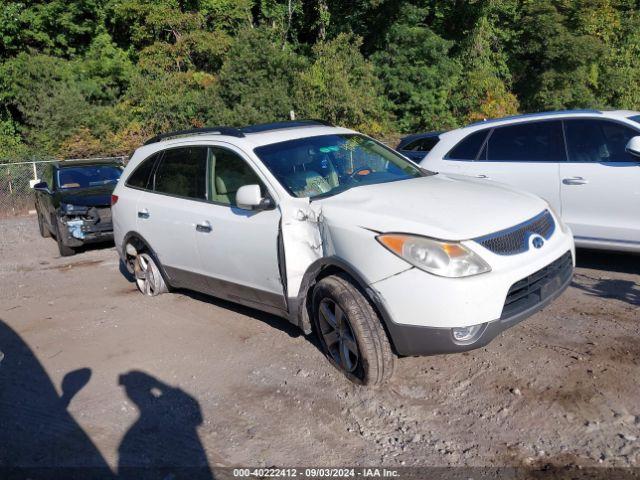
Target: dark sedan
[73,202]
[416,146]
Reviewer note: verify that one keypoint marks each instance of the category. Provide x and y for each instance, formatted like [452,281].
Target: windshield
[88,176]
[330,164]
[635,118]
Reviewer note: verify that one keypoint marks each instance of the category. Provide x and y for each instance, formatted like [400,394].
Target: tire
[344,321]
[44,230]
[64,250]
[147,275]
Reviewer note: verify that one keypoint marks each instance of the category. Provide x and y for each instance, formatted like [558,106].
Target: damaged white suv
[340,235]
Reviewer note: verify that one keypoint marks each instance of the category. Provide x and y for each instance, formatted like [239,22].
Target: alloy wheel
[145,272]
[337,335]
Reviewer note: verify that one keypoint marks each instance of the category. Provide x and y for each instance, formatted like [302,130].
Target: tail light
[114,200]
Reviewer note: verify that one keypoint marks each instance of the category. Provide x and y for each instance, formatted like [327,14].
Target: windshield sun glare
[329,164]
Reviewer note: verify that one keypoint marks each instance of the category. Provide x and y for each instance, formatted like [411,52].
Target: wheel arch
[141,244]
[324,267]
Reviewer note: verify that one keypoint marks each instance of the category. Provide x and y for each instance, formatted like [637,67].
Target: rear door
[239,251]
[600,184]
[169,212]
[524,155]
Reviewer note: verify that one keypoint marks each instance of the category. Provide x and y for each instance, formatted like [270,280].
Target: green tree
[340,86]
[484,89]
[257,78]
[55,27]
[418,74]
[556,67]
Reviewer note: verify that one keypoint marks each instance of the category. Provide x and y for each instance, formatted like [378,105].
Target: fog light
[466,335]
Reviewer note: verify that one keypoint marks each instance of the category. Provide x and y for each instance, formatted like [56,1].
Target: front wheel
[65,251]
[351,332]
[44,230]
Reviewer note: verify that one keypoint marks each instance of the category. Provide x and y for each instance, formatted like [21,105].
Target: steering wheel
[362,171]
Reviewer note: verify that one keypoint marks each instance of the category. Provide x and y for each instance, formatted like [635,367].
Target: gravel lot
[243,388]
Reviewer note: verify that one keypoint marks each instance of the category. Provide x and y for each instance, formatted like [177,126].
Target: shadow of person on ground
[163,442]
[38,437]
[623,290]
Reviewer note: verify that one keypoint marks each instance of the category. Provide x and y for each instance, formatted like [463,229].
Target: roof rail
[539,114]
[230,131]
[264,127]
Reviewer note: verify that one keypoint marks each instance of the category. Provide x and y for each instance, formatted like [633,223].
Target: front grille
[516,239]
[537,287]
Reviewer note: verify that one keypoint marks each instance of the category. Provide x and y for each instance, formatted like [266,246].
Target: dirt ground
[561,388]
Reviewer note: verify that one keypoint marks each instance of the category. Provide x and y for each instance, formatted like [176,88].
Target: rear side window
[140,176]
[468,148]
[183,172]
[421,145]
[598,141]
[529,142]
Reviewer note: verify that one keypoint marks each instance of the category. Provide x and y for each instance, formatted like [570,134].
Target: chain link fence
[17,180]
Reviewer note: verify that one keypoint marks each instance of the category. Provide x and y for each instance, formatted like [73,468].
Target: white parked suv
[340,235]
[585,163]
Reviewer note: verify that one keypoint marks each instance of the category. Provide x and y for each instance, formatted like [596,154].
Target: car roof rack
[265,127]
[539,114]
[230,131]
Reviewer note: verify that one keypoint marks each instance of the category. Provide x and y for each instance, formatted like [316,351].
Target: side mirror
[41,186]
[633,147]
[250,197]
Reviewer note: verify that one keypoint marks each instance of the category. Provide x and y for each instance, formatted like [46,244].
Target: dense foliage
[90,77]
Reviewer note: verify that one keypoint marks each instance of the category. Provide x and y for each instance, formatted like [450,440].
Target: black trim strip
[234,292]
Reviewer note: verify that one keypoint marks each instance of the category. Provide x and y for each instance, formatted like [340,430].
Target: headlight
[447,259]
[70,209]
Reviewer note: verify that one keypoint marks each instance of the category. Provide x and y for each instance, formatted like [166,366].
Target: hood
[90,197]
[441,206]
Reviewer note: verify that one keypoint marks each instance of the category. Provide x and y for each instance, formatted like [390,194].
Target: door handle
[482,175]
[574,181]
[144,213]
[204,227]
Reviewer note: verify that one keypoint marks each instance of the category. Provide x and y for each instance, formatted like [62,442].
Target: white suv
[585,163]
[340,235]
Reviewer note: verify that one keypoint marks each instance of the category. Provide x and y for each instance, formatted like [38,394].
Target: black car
[416,146]
[73,202]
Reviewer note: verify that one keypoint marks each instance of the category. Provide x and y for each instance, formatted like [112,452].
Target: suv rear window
[468,148]
[140,176]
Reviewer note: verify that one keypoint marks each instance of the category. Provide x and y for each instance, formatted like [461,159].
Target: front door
[600,185]
[239,249]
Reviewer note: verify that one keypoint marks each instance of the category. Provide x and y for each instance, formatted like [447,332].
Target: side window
[140,176]
[183,172]
[598,141]
[468,148]
[422,145]
[528,142]
[229,172]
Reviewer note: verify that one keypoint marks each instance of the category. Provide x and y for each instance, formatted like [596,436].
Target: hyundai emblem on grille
[537,241]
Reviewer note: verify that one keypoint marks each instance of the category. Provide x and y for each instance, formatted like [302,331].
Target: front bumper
[77,230]
[411,340]
[420,310]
